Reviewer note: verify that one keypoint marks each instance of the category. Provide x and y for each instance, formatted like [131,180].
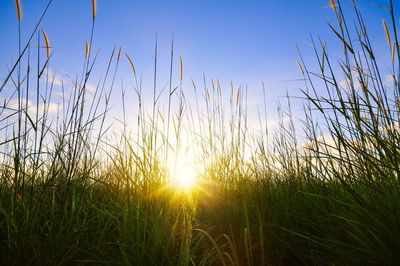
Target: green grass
[74,192]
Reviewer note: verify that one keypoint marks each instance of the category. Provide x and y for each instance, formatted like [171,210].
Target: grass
[74,192]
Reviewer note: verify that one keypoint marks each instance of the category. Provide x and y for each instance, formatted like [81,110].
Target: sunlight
[183,164]
[185,176]
[183,170]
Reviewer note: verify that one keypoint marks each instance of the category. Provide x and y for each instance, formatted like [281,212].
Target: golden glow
[184,177]
[183,164]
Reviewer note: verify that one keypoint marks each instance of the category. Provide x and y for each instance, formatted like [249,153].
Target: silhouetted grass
[74,192]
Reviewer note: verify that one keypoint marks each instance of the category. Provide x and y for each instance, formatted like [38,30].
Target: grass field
[73,191]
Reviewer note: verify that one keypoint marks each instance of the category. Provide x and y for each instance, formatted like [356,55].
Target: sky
[244,41]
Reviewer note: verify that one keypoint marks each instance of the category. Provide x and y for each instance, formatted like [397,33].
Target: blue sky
[238,40]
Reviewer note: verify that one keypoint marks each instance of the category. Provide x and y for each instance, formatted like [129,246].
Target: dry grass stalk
[393,52]
[131,63]
[238,98]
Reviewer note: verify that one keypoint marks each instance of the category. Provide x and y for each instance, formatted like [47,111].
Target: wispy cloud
[91,88]
[389,80]
[32,108]
[54,78]
[347,85]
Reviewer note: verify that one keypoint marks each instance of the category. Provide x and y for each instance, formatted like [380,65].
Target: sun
[184,177]
[184,165]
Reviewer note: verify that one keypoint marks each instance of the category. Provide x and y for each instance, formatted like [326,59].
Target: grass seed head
[332,4]
[300,67]
[19,9]
[46,39]
[86,49]
[94,9]
[119,53]
[389,40]
[131,63]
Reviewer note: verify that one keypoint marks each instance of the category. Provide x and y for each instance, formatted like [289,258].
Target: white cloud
[90,88]
[50,107]
[13,104]
[59,94]
[389,80]
[325,143]
[54,78]
[346,84]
